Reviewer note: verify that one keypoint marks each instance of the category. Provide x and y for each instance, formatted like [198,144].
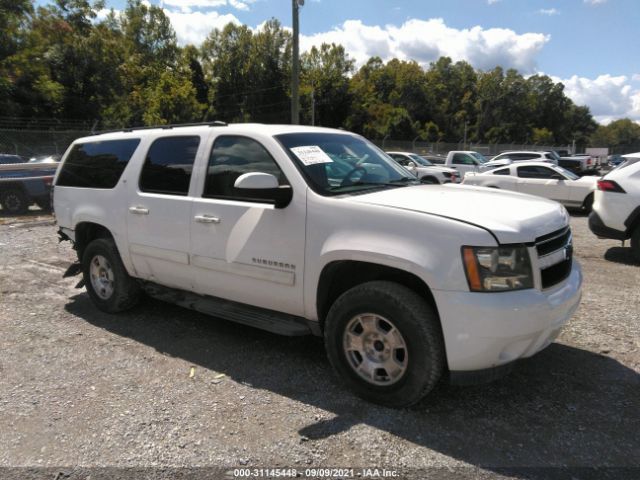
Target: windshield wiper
[402,182]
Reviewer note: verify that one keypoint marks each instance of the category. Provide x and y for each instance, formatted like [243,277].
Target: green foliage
[623,133]
[60,61]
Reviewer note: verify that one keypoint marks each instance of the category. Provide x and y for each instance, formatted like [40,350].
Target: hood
[437,168]
[512,217]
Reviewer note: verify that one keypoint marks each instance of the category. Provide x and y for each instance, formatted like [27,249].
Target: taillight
[588,161]
[610,186]
[47,181]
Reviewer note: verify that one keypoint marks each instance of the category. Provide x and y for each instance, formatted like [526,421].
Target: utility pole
[313,107]
[465,135]
[295,64]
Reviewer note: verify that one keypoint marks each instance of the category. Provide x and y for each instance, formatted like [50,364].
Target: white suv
[301,230]
[616,207]
[527,155]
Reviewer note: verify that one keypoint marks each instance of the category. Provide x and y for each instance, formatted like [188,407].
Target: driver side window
[462,159]
[536,172]
[232,156]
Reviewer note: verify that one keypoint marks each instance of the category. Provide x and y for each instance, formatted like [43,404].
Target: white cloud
[426,40]
[491,2]
[193,27]
[608,97]
[549,11]
[595,2]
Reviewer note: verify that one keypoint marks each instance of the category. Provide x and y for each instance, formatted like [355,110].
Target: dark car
[8,158]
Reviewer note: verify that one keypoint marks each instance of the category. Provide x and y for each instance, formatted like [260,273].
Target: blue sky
[592,46]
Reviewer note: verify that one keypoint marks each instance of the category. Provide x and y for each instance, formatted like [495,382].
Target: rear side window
[502,171]
[96,164]
[167,168]
[231,157]
[535,172]
[462,159]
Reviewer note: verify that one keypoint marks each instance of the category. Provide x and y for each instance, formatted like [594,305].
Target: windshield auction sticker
[311,155]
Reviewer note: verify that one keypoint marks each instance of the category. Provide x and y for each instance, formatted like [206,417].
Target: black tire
[587,206]
[44,205]
[429,181]
[14,201]
[126,291]
[416,321]
[635,243]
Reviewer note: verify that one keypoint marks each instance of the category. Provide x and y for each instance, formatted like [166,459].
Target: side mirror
[256,180]
[557,176]
[264,186]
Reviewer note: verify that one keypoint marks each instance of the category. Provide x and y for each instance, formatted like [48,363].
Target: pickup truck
[303,230]
[422,168]
[22,184]
[462,160]
[580,164]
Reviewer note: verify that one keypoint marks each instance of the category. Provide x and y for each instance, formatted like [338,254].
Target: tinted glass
[167,168]
[535,172]
[502,171]
[462,159]
[96,164]
[234,156]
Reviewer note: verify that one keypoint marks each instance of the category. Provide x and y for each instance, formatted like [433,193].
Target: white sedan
[542,179]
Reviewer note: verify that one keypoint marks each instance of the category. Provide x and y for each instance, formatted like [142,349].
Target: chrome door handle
[138,210]
[206,219]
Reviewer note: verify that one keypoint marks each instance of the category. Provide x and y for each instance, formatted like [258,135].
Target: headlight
[497,269]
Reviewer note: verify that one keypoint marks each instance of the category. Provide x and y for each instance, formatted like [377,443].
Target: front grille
[548,247]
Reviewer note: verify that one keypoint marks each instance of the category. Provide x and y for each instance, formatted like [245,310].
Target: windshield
[336,163]
[567,173]
[554,155]
[423,162]
[479,157]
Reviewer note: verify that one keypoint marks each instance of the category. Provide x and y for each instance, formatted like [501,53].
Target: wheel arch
[86,232]
[341,275]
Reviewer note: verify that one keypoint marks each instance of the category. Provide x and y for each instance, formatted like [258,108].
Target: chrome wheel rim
[102,278]
[375,349]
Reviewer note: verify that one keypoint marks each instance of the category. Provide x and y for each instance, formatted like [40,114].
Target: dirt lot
[162,386]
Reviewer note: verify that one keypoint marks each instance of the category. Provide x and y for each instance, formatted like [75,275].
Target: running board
[269,320]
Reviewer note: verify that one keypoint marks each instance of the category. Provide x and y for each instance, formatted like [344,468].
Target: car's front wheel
[109,285]
[385,342]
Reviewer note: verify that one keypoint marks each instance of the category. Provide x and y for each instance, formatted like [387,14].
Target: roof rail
[215,123]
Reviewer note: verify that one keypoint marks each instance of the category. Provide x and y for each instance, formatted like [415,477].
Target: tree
[623,133]
[325,74]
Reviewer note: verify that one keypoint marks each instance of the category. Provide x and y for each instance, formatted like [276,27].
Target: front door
[159,211]
[242,247]
[542,181]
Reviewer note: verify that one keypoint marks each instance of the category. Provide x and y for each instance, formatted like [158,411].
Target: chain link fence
[488,150]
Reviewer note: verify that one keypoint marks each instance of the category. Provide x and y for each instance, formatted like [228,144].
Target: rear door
[159,212]
[242,247]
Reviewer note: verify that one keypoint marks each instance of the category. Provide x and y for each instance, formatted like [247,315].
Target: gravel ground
[162,386]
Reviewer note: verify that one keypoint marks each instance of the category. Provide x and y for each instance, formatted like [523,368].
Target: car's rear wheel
[587,206]
[14,201]
[109,285]
[385,342]
[635,243]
